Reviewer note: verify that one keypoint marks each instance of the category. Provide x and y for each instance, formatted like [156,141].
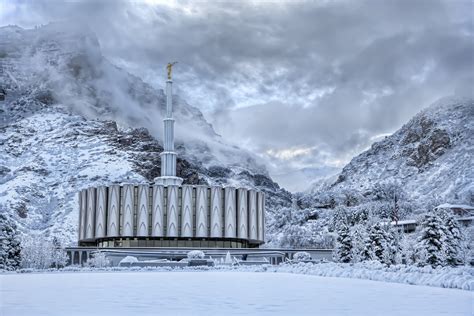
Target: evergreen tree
[339,218]
[393,249]
[431,243]
[10,249]
[453,246]
[376,244]
[343,247]
[358,236]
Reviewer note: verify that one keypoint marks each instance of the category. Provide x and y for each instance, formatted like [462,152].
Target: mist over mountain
[303,179]
[72,120]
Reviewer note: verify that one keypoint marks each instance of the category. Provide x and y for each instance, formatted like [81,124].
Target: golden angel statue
[169,68]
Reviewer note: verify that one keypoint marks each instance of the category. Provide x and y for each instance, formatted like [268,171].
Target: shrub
[98,260]
[301,256]
[128,259]
[41,253]
[196,254]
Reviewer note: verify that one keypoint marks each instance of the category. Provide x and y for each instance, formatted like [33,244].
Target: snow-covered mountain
[72,119]
[430,157]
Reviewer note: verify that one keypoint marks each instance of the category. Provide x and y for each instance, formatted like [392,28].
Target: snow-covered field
[220,293]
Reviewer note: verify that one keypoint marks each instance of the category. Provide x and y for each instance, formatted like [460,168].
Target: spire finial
[169,67]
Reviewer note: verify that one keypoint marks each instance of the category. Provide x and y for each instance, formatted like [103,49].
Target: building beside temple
[167,213]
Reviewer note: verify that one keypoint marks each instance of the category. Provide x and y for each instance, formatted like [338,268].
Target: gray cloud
[317,79]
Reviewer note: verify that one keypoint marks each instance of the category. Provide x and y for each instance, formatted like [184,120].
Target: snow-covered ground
[447,277]
[220,293]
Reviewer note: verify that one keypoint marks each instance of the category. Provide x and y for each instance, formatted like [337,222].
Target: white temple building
[167,213]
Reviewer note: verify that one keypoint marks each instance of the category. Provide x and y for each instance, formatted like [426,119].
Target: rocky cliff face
[71,119]
[430,156]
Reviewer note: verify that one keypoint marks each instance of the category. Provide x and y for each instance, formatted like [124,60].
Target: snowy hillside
[430,156]
[71,119]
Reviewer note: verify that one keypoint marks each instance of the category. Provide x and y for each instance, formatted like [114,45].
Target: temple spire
[168,156]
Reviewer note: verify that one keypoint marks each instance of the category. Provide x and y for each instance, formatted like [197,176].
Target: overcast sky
[303,84]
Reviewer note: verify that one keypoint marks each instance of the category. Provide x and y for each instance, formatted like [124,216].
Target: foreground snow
[220,293]
[446,277]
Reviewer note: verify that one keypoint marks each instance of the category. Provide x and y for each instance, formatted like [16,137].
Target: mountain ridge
[430,156]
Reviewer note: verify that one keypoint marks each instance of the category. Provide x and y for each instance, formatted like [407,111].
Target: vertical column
[90,218]
[84,213]
[252,211]
[202,210]
[263,217]
[260,213]
[142,210]
[230,212]
[71,257]
[158,211]
[79,198]
[100,225]
[82,204]
[216,211]
[172,211]
[113,215]
[187,211]
[242,220]
[127,210]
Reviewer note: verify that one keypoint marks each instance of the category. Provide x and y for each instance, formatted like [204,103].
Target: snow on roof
[403,222]
[463,206]
[413,221]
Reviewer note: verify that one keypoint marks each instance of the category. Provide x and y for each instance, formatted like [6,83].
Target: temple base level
[173,242]
[241,256]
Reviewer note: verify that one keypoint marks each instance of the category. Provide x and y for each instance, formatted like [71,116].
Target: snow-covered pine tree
[453,245]
[343,244]
[339,218]
[393,249]
[358,236]
[376,244]
[10,248]
[430,245]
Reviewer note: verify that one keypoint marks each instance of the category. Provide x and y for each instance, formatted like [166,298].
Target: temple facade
[144,215]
